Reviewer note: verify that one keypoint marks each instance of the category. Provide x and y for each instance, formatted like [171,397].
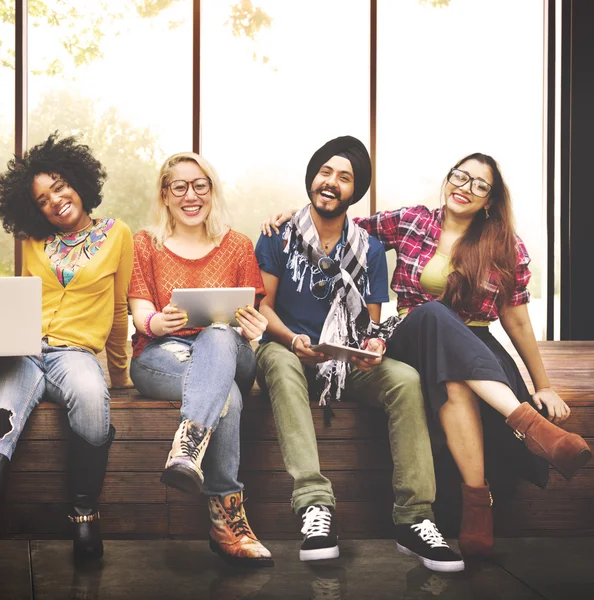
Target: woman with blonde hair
[190,245]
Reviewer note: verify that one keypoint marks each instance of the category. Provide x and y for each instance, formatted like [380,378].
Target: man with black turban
[325,280]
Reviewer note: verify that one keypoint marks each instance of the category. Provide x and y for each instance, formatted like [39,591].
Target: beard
[325,213]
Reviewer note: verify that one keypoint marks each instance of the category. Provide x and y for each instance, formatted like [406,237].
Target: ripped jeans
[69,376]
[202,371]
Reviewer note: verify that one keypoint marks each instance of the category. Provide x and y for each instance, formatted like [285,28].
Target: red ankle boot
[476,531]
[567,452]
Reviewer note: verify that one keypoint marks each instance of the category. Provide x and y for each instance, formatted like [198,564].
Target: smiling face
[191,209]
[59,203]
[460,200]
[333,187]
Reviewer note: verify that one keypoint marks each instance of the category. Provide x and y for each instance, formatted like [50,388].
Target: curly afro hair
[66,158]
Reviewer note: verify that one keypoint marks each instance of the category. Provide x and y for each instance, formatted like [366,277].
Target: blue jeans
[202,371]
[69,376]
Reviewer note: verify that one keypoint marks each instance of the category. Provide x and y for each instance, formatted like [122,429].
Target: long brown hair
[487,247]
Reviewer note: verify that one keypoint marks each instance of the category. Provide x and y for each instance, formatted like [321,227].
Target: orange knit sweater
[158,272]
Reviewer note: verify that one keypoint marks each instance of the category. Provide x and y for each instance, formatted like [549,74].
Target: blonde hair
[162,224]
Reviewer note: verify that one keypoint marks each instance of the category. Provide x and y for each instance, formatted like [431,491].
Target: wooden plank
[143,456]
[558,488]
[277,486]
[374,519]
[351,421]
[138,423]
[121,519]
[127,488]
[263,487]
[256,424]
[50,455]
[277,521]
[334,455]
[547,516]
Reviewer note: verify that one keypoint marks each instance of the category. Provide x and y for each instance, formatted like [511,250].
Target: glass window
[7,48]
[278,81]
[460,78]
[119,75]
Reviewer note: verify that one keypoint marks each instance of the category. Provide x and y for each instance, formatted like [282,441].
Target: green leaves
[247,20]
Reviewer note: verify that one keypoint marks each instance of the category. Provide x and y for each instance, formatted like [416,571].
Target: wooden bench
[354,453]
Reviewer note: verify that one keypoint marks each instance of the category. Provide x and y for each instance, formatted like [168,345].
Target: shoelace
[429,533]
[316,521]
[238,525]
[190,443]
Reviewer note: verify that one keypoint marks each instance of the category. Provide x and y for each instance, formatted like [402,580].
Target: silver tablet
[211,305]
[343,353]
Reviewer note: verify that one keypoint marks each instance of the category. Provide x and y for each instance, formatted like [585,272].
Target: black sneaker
[423,541]
[320,538]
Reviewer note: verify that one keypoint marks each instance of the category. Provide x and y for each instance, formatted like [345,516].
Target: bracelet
[293,341]
[147,324]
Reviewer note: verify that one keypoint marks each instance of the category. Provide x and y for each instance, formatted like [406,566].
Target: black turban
[352,149]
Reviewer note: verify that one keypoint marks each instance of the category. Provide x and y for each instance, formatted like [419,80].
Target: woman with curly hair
[85,266]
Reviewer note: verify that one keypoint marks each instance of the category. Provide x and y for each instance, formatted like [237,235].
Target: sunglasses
[331,270]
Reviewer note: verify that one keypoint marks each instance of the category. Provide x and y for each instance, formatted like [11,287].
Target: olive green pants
[393,386]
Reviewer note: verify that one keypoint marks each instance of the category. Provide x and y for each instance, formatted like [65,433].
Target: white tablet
[343,353]
[210,305]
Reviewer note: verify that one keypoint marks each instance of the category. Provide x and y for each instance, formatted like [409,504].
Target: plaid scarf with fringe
[348,321]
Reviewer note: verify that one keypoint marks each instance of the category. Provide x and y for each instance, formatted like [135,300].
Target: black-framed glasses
[479,187]
[180,187]
[331,271]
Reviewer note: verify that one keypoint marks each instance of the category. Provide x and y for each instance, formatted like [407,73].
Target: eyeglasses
[478,187]
[180,187]
[331,269]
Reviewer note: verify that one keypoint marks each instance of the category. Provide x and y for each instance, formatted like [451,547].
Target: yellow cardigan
[91,312]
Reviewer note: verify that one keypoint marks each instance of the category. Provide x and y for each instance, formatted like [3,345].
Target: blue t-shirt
[301,311]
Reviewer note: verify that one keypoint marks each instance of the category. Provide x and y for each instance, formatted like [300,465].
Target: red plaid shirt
[414,233]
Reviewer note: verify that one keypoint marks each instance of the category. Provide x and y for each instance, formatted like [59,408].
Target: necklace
[330,243]
[85,227]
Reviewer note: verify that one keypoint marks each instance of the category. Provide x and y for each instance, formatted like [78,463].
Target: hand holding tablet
[343,353]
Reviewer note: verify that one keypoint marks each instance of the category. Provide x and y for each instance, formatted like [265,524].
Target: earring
[486,212]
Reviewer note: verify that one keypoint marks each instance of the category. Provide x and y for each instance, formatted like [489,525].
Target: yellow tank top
[434,275]
[433,281]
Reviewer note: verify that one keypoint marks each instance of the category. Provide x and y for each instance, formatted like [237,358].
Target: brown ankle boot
[567,452]
[231,535]
[476,531]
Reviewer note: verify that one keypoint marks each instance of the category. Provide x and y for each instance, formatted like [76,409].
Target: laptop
[20,316]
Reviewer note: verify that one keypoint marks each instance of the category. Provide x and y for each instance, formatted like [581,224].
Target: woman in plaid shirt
[458,269]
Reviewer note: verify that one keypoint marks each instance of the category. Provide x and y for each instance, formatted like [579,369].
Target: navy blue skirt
[441,347]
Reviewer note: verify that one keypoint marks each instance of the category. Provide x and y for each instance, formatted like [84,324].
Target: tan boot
[567,452]
[476,531]
[183,469]
[231,536]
